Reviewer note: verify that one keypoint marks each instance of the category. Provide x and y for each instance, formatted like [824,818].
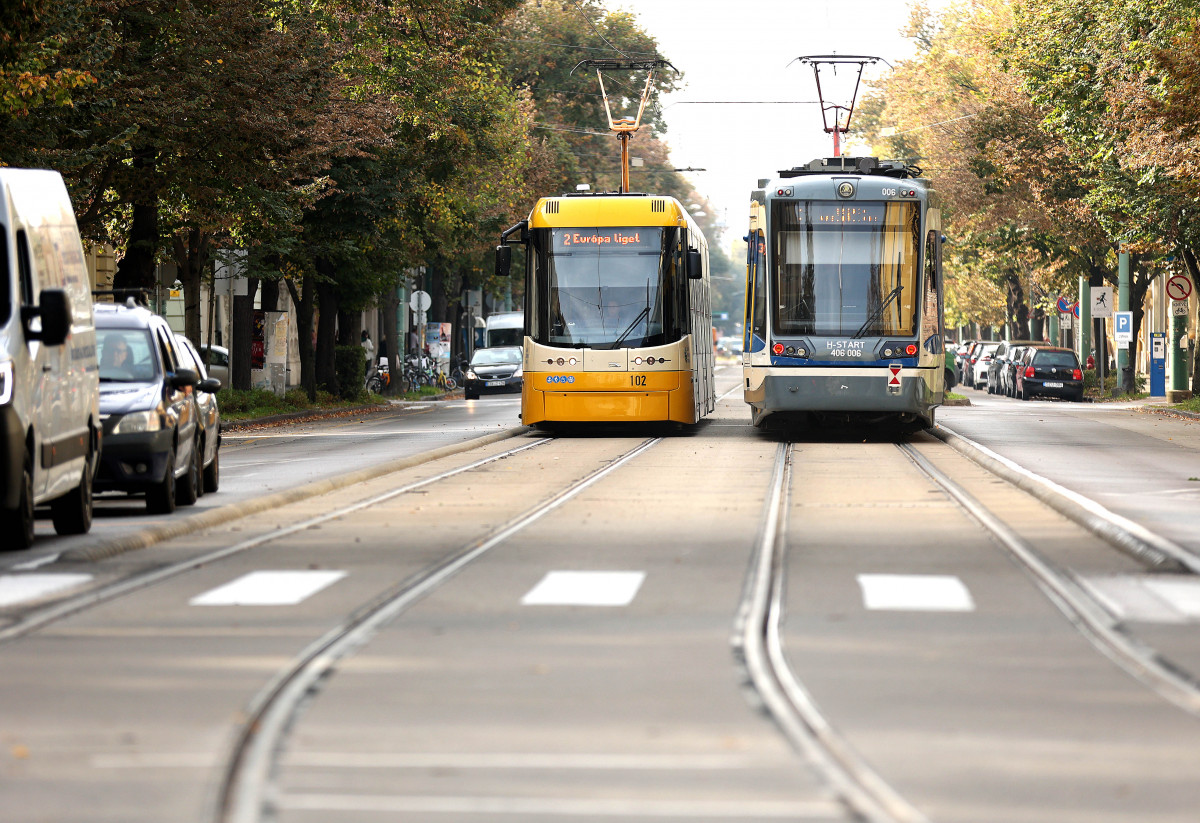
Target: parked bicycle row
[1020,368]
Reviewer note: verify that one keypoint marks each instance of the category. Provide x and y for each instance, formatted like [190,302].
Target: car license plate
[1052,385]
[501,383]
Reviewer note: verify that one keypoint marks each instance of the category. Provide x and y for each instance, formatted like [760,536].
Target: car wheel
[72,513]
[1025,395]
[18,523]
[470,395]
[160,499]
[187,490]
[948,379]
[212,472]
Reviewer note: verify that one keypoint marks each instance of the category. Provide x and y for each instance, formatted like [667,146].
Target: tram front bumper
[837,391]
[624,397]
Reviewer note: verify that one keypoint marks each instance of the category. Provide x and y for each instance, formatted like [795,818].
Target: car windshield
[1056,358]
[496,357]
[127,356]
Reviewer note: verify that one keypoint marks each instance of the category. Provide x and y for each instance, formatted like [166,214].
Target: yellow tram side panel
[607,386]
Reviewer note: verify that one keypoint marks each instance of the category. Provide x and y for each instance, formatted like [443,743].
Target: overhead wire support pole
[838,128]
[625,126]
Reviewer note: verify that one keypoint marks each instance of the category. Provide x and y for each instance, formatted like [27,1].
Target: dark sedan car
[493,371]
[150,419]
[1050,372]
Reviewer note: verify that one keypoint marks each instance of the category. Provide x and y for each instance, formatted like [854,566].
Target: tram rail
[243,793]
[757,637]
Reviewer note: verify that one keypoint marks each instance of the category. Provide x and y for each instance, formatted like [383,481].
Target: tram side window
[931,326]
[759,321]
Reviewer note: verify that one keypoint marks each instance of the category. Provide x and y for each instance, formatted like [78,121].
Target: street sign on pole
[1179,287]
[420,301]
[1102,302]
[1123,327]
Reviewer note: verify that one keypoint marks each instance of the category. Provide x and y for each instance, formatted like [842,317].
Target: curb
[1121,533]
[112,547]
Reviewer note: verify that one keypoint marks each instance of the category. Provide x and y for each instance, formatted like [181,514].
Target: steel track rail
[244,791]
[758,642]
[1132,538]
[1088,616]
[63,608]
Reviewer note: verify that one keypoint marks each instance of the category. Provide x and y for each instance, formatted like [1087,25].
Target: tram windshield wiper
[875,315]
[643,313]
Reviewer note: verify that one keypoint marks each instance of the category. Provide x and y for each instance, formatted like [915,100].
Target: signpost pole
[1085,320]
[1179,288]
[1124,372]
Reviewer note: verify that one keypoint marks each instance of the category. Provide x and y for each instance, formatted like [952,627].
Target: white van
[504,329]
[49,378]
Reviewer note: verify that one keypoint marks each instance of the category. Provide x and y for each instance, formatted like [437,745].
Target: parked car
[151,431]
[49,392]
[1050,372]
[981,358]
[1002,363]
[493,371]
[217,366]
[209,413]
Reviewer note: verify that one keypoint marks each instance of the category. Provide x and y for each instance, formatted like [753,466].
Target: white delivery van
[49,377]
[504,329]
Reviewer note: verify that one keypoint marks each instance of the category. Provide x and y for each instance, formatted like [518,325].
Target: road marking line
[915,592]
[1148,598]
[523,760]
[589,807]
[20,588]
[30,565]
[561,588]
[273,588]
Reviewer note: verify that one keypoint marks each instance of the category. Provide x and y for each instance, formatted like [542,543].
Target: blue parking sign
[1123,326]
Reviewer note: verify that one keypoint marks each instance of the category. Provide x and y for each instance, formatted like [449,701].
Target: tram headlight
[911,350]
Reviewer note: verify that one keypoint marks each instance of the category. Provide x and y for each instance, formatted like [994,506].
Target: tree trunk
[304,328]
[390,305]
[243,334]
[191,251]
[327,312]
[136,268]
[270,295]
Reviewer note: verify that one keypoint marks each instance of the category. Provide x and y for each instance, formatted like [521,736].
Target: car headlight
[471,375]
[136,422]
[517,373]
[6,382]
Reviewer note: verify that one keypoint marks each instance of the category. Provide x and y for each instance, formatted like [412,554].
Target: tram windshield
[602,287]
[845,268]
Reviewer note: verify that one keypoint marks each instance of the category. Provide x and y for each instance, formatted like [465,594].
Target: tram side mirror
[695,265]
[503,261]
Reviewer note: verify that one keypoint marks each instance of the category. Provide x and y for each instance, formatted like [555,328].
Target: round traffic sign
[1075,308]
[1064,305]
[420,301]
[1179,287]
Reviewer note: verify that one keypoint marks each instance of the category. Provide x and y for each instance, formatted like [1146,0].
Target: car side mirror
[212,385]
[695,265]
[55,313]
[184,378]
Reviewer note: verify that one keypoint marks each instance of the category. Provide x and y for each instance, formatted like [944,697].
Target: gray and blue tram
[843,319]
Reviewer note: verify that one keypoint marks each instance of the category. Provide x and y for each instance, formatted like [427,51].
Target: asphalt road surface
[627,625]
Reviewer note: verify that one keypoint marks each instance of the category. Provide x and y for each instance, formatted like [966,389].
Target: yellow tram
[618,326]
